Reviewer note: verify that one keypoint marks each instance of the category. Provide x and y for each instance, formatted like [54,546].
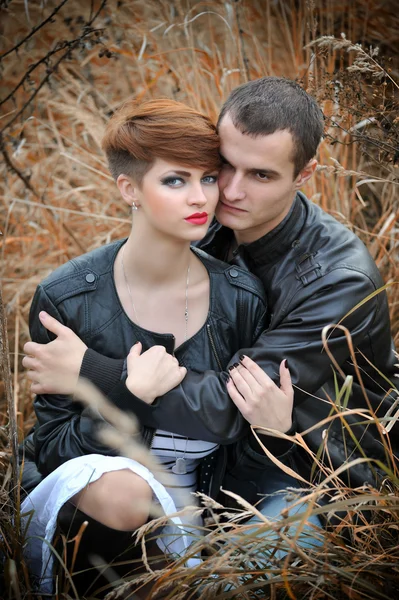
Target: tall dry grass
[61,81]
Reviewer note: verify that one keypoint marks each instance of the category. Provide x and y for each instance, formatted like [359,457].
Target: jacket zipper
[208,329]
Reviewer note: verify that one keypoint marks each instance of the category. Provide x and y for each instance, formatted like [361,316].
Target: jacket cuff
[277,446]
[101,370]
[123,398]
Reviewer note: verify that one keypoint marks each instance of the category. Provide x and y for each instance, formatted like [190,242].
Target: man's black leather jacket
[314,271]
[82,295]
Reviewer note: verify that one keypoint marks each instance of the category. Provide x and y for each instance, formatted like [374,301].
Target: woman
[152,290]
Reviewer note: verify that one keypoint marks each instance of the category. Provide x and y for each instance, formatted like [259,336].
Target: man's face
[256,183]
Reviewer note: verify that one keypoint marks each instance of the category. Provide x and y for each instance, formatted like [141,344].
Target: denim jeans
[277,505]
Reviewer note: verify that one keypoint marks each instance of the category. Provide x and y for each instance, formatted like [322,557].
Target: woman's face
[177,201]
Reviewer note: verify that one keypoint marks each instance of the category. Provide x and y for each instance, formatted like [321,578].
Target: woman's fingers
[136,349]
[261,402]
[285,380]
[236,396]
[261,378]
[244,382]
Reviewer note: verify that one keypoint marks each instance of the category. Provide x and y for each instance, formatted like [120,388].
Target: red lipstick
[197,218]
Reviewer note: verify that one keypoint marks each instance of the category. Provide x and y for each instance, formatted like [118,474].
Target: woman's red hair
[137,134]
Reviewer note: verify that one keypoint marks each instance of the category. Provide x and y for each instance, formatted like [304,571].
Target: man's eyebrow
[266,171]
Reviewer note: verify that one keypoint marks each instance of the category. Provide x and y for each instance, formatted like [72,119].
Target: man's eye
[262,176]
[172,181]
[210,179]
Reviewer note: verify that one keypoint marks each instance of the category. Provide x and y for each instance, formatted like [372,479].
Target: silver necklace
[180,466]
[131,295]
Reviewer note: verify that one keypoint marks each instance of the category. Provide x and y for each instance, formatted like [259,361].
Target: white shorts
[61,485]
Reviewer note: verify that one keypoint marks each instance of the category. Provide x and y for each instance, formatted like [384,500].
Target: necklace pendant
[180,467]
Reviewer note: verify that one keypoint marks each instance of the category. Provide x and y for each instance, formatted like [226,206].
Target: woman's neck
[156,260]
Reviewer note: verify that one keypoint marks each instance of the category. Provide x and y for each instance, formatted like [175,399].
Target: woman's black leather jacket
[82,295]
[314,271]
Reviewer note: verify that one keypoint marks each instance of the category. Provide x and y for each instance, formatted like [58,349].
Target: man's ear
[306,173]
[128,189]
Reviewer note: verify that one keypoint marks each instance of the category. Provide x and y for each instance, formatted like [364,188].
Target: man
[314,270]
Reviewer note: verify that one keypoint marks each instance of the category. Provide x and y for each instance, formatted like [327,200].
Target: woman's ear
[306,173]
[128,189]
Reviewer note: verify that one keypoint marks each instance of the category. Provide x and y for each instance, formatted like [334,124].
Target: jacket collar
[277,242]
[267,248]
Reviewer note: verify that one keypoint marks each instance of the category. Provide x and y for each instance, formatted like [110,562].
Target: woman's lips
[197,218]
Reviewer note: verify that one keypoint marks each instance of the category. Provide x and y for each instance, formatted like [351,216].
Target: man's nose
[231,187]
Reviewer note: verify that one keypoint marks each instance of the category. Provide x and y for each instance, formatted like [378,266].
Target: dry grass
[57,199]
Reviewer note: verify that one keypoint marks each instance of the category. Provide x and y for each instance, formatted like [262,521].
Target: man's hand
[258,398]
[54,368]
[152,373]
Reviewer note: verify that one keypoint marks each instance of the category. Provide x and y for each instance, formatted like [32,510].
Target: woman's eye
[210,179]
[172,181]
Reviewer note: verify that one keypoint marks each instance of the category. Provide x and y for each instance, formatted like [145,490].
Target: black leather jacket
[82,295]
[314,271]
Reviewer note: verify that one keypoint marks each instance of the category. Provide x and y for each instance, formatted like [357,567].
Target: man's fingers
[30,348]
[285,380]
[51,324]
[32,376]
[28,362]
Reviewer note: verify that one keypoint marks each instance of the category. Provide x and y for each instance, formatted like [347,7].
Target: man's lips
[231,208]
[197,218]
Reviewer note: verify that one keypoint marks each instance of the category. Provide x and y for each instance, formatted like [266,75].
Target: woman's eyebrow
[176,172]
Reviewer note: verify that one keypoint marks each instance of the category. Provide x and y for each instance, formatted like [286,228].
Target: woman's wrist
[139,391]
[285,428]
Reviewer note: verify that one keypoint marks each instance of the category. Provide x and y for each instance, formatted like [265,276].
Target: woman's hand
[152,373]
[54,368]
[258,398]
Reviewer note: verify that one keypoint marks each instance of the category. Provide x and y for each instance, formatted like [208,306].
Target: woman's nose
[197,196]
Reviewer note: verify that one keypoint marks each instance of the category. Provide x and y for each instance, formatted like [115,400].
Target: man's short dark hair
[270,104]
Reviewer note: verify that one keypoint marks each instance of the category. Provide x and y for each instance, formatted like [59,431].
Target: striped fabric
[168,448]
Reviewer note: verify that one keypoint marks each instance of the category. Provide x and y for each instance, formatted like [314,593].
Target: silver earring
[134,207]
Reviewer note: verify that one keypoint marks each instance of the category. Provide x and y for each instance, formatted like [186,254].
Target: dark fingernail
[231,367]
[236,365]
[286,364]
[242,356]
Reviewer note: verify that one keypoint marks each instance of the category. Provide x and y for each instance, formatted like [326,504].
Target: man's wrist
[101,370]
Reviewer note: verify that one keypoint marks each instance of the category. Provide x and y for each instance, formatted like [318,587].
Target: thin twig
[34,30]
[12,417]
